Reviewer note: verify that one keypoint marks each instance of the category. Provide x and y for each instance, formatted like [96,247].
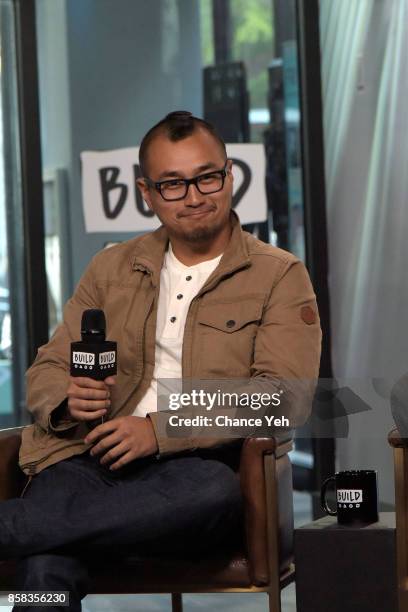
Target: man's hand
[88,399]
[124,439]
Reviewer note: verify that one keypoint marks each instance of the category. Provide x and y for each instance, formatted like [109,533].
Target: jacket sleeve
[48,377]
[288,343]
[286,358]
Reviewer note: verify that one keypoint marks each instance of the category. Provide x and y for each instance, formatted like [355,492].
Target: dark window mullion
[31,175]
[315,205]
[222,28]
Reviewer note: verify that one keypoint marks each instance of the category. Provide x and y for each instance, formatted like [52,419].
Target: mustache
[199,209]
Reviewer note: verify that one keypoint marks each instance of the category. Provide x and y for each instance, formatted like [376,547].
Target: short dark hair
[176,126]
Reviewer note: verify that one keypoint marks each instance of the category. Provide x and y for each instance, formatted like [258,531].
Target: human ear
[145,191]
[229,170]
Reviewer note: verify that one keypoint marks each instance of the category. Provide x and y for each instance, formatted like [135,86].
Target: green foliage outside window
[252,42]
[206,32]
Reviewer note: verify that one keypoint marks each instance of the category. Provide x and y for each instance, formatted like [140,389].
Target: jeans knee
[224,491]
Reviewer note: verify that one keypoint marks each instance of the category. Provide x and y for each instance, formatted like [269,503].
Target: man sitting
[198,298]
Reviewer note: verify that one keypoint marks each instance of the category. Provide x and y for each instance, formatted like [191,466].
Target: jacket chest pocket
[227,333]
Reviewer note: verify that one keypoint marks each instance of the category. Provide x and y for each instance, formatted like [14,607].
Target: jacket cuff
[168,445]
[59,419]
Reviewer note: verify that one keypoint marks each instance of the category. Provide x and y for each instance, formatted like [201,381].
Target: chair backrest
[401,512]
[12,479]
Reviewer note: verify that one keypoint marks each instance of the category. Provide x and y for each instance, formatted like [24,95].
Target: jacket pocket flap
[230,317]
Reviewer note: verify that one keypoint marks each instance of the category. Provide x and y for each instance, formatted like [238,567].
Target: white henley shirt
[178,286]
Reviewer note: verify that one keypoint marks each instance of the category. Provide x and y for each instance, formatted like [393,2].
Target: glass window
[252,42]
[248,37]
[13,348]
[206,32]
[56,236]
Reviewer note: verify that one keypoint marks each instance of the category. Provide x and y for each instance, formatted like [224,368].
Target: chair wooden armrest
[12,479]
[266,484]
[400,448]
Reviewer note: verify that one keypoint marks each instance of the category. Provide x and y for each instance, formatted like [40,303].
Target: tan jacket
[264,290]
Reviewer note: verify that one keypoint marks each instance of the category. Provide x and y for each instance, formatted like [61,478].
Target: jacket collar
[149,253]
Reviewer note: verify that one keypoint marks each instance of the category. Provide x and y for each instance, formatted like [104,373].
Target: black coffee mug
[356,495]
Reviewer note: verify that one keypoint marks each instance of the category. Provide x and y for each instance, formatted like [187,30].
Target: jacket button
[180,295]
[173,319]
[230,323]
[189,277]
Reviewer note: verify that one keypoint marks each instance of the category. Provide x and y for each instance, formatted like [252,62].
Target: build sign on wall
[112,202]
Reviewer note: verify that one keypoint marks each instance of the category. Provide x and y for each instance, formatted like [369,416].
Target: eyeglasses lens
[210,183]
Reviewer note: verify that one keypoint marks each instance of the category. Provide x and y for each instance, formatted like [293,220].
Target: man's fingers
[79,415]
[107,446]
[88,399]
[106,443]
[126,458]
[88,394]
[89,383]
[101,430]
[91,405]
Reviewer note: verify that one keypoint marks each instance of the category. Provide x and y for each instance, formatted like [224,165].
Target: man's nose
[193,196]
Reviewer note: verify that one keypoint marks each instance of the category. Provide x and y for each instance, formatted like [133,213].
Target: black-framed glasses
[176,189]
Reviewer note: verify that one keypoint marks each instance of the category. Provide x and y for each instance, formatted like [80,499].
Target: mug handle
[323,500]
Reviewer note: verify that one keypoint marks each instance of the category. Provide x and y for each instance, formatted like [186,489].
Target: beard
[203,233]
[200,234]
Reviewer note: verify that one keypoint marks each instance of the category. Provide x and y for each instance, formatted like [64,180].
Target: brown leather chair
[400,446]
[263,564]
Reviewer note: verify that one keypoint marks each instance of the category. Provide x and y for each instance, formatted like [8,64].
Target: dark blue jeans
[76,510]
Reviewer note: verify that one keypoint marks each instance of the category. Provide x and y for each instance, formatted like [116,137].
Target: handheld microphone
[93,356]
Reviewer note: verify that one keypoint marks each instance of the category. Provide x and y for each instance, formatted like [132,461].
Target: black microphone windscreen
[93,320]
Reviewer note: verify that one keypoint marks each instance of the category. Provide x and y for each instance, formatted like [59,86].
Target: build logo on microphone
[82,360]
[107,359]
